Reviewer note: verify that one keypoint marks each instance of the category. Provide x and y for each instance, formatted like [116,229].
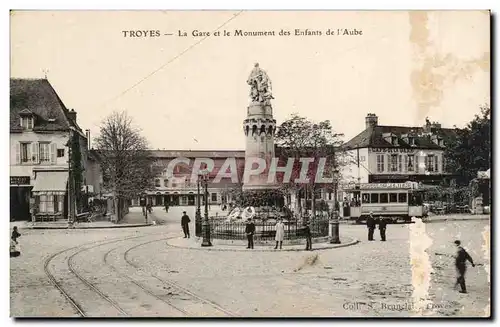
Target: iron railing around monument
[266,230]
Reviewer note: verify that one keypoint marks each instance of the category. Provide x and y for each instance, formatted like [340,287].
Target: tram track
[84,247]
[138,284]
[175,285]
[77,304]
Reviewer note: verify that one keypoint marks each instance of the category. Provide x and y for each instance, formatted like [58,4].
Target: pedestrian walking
[14,244]
[280,233]
[142,203]
[461,265]
[250,230]
[382,226]
[370,223]
[185,224]
[307,230]
[166,206]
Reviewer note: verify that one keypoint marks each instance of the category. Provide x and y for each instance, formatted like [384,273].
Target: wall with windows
[30,150]
[357,167]
[406,161]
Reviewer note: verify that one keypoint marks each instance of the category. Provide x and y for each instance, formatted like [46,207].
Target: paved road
[133,272]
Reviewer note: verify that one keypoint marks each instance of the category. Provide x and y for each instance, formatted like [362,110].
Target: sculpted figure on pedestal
[260,86]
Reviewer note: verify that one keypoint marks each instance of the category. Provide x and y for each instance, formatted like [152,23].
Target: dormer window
[391,138]
[409,138]
[27,122]
[438,140]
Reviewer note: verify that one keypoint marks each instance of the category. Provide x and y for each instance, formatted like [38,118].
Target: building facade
[178,188]
[395,154]
[41,128]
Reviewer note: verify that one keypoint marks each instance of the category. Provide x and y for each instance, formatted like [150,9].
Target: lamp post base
[334,229]
[206,243]
[206,234]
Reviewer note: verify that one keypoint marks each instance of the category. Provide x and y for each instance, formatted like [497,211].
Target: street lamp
[206,223]
[198,209]
[334,221]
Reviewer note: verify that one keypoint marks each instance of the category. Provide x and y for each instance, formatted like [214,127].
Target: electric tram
[388,200]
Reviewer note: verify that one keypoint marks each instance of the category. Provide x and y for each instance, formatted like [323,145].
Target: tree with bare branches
[300,137]
[128,169]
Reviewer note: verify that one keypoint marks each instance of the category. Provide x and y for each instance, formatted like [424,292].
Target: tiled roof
[372,137]
[38,97]
[198,153]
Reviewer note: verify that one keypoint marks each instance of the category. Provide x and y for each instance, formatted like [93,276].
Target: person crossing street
[461,264]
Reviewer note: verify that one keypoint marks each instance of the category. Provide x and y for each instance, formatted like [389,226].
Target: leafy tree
[300,137]
[469,149]
[128,169]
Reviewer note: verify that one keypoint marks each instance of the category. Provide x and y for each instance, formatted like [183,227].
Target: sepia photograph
[250,164]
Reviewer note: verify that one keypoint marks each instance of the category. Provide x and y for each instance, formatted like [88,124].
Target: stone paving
[145,276]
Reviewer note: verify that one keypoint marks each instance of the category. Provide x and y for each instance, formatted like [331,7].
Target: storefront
[20,191]
[49,195]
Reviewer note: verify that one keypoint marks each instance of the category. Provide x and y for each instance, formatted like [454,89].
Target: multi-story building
[395,154]
[40,130]
[179,189]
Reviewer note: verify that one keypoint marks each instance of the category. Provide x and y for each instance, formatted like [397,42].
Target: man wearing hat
[250,230]
[460,262]
[185,224]
[370,223]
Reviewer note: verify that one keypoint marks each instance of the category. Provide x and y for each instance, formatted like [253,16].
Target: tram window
[374,198]
[384,198]
[402,197]
[393,197]
[416,199]
[366,198]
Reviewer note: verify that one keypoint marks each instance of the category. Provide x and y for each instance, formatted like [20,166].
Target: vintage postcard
[250,164]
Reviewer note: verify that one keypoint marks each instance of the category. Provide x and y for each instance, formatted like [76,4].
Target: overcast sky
[403,67]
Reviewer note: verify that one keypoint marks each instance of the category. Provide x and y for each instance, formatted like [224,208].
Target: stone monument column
[259,128]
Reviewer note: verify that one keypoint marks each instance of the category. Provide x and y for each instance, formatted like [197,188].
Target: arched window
[254,129]
[270,130]
[247,129]
[262,129]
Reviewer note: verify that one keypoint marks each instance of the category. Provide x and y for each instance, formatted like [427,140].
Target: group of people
[279,236]
[371,224]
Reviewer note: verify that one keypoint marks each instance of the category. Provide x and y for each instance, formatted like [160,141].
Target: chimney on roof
[72,115]
[87,134]
[371,120]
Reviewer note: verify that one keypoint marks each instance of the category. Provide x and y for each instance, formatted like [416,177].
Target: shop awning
[50,182]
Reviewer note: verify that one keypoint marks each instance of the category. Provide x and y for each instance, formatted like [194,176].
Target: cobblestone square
[135,272]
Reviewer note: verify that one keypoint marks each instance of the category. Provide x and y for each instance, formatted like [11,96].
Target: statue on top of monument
[260,86]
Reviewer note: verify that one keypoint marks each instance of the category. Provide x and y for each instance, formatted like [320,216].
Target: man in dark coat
[307,231]
[382,226]
[370,223]
[185,224]
[250,230]
[460,262]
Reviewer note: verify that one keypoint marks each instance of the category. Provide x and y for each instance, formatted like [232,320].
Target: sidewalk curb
[333,246]
[88,227]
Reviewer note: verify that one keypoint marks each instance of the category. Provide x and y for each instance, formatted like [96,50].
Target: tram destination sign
[19,180]
[368,186]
